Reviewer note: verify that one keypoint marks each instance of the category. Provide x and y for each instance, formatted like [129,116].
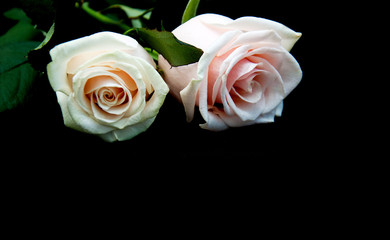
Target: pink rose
[244,74]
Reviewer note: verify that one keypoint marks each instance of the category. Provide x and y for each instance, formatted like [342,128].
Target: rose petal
[157,84]
[128,132]
[80,120]
[91,79]
[177,78]
[103,41]
[98,80]
[214,123]
[284,63]
[279,110]
[252,94]
[197,32]
[263,37]
[272,83]
[103,115]
[289,37]
[230,62]
[203,66]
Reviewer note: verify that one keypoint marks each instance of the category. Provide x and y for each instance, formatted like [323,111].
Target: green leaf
[22,31]
[42,12]
[190,10]
[16,74]
[176,52]
[48,36]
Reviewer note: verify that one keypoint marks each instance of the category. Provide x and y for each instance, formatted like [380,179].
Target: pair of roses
[108,85]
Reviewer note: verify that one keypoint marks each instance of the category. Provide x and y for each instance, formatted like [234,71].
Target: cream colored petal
[128,132]
[82,121]
[90,79]
[63,102]
[154,104]
[99,42]
[56,72]
[102,115]
[103,41]
[152,79]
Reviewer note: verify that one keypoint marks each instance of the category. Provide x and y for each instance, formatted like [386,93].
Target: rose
[106,84]
[244,74]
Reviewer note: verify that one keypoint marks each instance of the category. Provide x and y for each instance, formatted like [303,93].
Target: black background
[300,170]
[302,131]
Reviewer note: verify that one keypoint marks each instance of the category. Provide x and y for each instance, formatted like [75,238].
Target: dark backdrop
[37,125]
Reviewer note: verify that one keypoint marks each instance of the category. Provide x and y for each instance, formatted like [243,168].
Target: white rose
[244,74]
[106,84]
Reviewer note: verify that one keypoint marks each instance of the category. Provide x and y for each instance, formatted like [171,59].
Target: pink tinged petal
[279,110]
[283,62]
[214,123]
[244,110]
[241,71]
[226,67]
[199,31]
[227,82]
[288,36]
[270,116]
[266,118]
[198,86]
[247,104]
[203,66]
[272,83]
[232,120]
[256,37]
[214,80]
[188,97]
[290,72]
[262,92]
[251,94]
[177,78]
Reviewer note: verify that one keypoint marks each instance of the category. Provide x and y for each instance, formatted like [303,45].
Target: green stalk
[102,18]
[190,10]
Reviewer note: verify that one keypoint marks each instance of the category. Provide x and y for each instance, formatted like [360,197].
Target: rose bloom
[244,74]
[106,84]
